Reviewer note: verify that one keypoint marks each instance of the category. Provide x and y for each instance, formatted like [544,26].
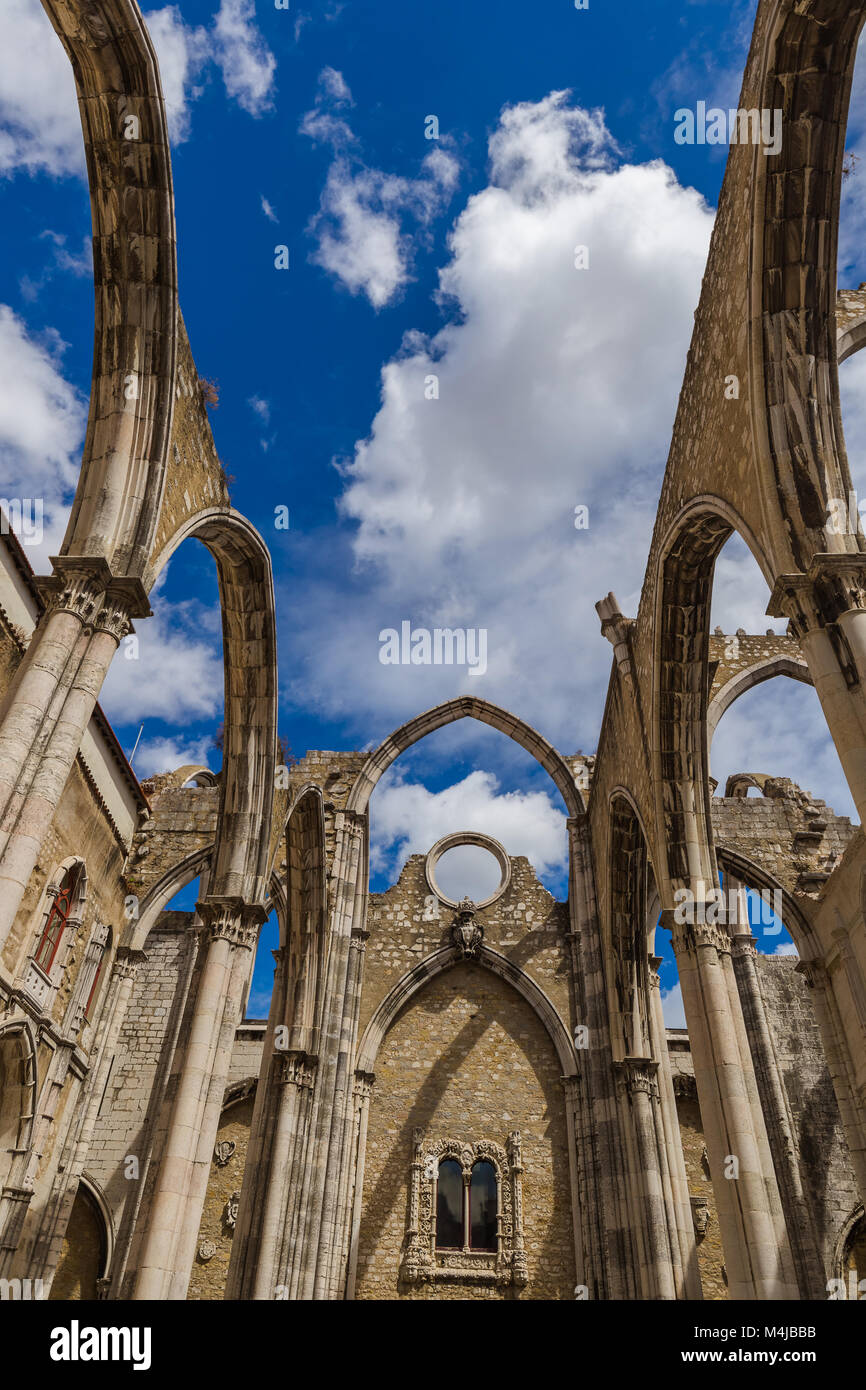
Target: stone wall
[821,1151]
[214,1246]
[468,1059]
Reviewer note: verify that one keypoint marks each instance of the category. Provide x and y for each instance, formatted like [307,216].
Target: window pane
[449,1206]
[482,1207]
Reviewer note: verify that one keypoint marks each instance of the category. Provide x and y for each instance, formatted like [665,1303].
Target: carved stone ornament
[223,1152]
[206,1251]
[466,933]
[700,1216]
[230,1215]
[422,1262]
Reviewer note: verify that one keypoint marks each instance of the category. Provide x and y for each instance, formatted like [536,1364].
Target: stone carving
[700,1216]
[223,1152]
[422,1262]
[467,933]
[230,1214]
[206,1251]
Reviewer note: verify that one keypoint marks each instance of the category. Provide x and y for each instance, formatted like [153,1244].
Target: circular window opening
[468,871]
[468,865]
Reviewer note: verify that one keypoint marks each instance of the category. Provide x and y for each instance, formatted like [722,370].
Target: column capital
[298,1068]
[639,1074]
[232,919]
[743,944]
[835,583]
[85,586]
[126,962]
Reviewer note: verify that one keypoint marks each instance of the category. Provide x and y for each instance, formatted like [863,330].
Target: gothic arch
[465,707]
[119,496]
[240,864]
[794,917]
[18,1091]
[683,596]
[747,680]
[850,339]
[806,72]
[405,990]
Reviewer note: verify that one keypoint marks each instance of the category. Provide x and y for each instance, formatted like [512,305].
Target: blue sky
[409,256]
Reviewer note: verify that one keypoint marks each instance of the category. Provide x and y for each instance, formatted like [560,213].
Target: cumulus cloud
[246,62]
[42,423]
[361,227]
[166,754]
[177,675]
[552,387]
[40,130]
[407,818]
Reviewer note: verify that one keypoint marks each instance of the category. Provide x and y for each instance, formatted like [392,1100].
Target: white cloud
[182,53]
[268,210]
[42,423]
[246,62]
[556,387]
[261,408]
[779,728]
[177,676]
[167,754]
[359,228]
[40,129]
[407,818]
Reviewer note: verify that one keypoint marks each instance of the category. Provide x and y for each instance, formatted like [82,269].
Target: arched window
[450,1227]
[55,922]
[483,1205]
[101,943]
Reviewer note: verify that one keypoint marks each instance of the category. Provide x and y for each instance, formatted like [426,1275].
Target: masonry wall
[818,1136]
[128,1121]
[214,1245]
[468,1059]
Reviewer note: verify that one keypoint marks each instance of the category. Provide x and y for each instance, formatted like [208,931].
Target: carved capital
[835,583]
[640,1075]
[298,1069]
[232,919]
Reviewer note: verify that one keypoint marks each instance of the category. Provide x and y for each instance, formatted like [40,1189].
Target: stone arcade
[450,1099]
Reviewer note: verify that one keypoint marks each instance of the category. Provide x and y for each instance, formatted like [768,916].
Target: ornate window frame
[422,1262]
[40,985]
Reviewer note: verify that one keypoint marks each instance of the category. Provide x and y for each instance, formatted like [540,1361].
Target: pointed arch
[433,965]
[465,707]
[119,496]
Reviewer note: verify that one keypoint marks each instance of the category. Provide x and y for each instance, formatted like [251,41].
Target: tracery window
[465,1212]
[56,921]
[54,938]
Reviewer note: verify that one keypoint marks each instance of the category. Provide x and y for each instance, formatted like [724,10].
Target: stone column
[673,1164]
[175,1212]
[641,1085]
[773,1097]
[827,609]
[757,1255]
[48,708]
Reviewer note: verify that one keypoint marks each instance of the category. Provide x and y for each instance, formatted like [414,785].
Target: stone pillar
[175,1212]
[49,706]
[827,610]
[674,1178]
[773,1097]
[306,1262]
[658,1275]
[757,1255]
